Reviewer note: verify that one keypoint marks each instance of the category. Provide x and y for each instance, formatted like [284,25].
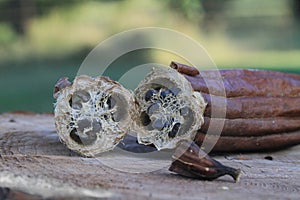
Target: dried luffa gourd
[92,115]
[262,109]
[262,113]
[167,109]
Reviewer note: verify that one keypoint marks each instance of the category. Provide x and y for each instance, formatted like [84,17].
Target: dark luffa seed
[165,93]
[145,119]
[149,94]
[174,130]
[166,124]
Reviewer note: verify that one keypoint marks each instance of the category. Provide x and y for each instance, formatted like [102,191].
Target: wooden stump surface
[35,165]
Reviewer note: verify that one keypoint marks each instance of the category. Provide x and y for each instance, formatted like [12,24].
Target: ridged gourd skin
[167,110]
[92,115]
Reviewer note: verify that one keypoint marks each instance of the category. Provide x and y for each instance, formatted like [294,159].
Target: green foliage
[247,34]
[7,35]
[191,9]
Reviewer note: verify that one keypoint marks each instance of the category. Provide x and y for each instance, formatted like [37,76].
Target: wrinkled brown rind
[254,126]
[252,107]
[168,78]
[99,131]
[246,83]
[262,108]
[241,82]
[250,144]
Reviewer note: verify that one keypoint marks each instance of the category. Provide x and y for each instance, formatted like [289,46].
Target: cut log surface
[34,164]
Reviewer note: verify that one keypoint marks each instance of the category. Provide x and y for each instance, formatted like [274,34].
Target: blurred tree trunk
[19,12]
[213,14]
[296,9]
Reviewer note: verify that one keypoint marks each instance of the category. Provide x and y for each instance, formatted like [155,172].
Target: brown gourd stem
[184,69]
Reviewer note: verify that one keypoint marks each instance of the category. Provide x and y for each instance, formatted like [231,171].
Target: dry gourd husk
[167,109]
[92,115]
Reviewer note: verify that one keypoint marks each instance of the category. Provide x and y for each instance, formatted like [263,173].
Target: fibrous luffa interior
[93,114]
[167,109]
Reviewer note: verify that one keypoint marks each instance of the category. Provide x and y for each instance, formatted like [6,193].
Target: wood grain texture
[30,134]
[34,163]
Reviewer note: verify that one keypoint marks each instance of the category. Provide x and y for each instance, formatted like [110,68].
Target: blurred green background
[42,40]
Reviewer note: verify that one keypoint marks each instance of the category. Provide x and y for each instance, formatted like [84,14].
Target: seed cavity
[83,139]
[78,98]
[145,119]
[165,93]
[82,124]
[81,95]
[75,105]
